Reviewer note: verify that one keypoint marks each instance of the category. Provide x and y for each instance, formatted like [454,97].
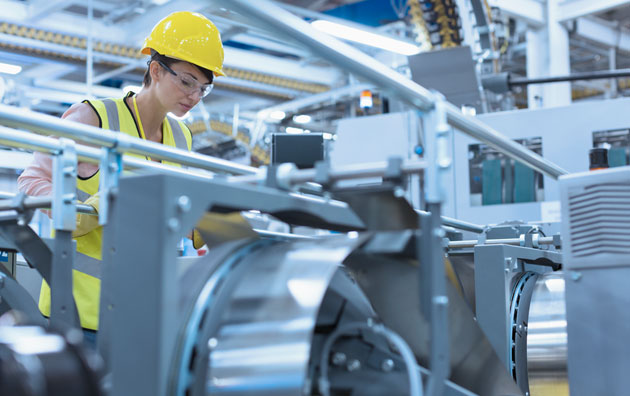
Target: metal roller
[539,335]
[547,338]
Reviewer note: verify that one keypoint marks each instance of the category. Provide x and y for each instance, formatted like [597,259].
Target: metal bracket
[394,172]
[437,134]
[62,308]
[110,169]
[322,175]
[65,187]
[24,215]
[432,272]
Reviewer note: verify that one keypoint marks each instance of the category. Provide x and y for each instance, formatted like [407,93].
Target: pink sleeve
[36,180]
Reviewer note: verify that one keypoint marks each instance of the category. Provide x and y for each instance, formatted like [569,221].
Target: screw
[387,365]
[399,192]
[353,365]
[508,264]
[173,224]
[338,358]
[212,343]
[183,203]
[576,276]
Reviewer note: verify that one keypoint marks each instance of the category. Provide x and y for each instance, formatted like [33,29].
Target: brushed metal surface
[547,337]
[392,287]
[263,343]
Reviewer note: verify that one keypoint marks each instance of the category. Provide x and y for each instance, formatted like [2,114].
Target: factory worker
[186,55]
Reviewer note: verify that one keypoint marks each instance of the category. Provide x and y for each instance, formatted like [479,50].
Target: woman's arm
[36,179]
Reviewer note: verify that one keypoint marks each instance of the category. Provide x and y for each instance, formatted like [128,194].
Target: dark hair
[169,62]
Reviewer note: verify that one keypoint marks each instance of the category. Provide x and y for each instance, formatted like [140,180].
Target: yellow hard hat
[188,36]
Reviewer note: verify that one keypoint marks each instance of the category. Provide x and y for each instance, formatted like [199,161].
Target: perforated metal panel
[599,220]
[596,217]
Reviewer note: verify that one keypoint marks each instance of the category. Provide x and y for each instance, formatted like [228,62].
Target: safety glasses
[188,84]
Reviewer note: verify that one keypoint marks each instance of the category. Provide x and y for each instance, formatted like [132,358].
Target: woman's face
[184,89]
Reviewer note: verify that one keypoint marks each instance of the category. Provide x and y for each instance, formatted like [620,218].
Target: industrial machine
[387,299]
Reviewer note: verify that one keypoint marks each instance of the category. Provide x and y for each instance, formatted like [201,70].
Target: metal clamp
[24,214]
[110,169]
[65,187]
[394,171]
[437,134]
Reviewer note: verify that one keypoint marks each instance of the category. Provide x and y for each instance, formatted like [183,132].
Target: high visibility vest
[115,115]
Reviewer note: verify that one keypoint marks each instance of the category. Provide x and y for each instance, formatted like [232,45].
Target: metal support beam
[574,9]
[120,70]
[531,11]
[558,57]
[43,8]
[602,32]
[329,96]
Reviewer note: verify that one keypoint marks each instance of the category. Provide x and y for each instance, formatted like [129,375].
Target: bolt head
[338,358]
[183,203]
[173,224]
[387,365]
[353,365]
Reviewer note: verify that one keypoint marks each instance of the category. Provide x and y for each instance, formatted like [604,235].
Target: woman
[186,54]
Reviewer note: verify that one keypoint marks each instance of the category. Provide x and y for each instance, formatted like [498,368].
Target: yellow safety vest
[115,115]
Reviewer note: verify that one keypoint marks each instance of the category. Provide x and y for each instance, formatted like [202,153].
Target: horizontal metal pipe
[280,235]
[38,203]
[274,17]
[504,241]
[6,195]
[594,75]
[355,171]
[45,144]
[48,125]
[480,131]
[458,224]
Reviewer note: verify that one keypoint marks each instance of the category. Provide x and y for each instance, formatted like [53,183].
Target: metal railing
[48,125]
[7,203]
[44,144]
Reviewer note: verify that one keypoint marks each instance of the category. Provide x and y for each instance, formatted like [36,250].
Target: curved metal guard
[392,287]
[262,302]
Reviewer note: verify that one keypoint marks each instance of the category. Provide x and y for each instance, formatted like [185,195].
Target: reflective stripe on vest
[112,114]
[178,134]
[114,124]
[82,195]
[87,265]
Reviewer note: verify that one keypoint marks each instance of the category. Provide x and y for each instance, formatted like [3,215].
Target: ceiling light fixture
[302,118]
[364,37]
[277,115]
[293,130]
[9,68]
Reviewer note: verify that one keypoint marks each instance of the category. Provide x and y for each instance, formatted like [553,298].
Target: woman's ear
[154,70]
